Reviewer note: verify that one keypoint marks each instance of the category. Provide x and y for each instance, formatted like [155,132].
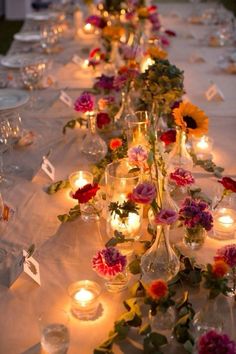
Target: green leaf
[183,320]
[122,329]
[145,329]
[134,266]
[182,301]
[70,124]
[137,288]
[55,187]
[30,251]
[157,339]
[127,316]
[188,346]
[102,351]
[74,213]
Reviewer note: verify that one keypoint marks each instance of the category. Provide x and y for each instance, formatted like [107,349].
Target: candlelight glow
[203,143]
[129,226]
[88,28]
[84,296]
[226,220]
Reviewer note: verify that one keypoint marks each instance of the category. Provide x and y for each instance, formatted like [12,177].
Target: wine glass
[4,134]
[49,37]
[31,75]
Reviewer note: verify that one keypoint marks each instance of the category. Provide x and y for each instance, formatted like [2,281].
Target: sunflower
[113,32]
[191,119]
[157,53]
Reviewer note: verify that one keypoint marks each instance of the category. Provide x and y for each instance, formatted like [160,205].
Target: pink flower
[182,177]
[138,155]
[212,342]
[166,217]
[103,119]
[84,103]
[144,193]
[109,262]
[227,254]
[165,41]
[170,33]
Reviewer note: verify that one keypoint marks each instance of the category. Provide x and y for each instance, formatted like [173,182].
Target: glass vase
[179,194]
[115,57]
[160,260]
[194,237]
[93,146]
[162,320]
[208,318]
[138,126]
[92,210]
[231,276]
[117,283]
[124,111]
[179,156]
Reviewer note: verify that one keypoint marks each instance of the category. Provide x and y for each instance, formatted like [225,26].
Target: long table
[64,251]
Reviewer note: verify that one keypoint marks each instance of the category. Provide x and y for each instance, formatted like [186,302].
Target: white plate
[27,36]
[10,98]
[41,16]
[18,61]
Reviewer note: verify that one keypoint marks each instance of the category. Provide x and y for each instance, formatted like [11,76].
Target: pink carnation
[84,103]
[138,155]
[227,254]
[166,217]
[109,262]
[182,177]
[144,193]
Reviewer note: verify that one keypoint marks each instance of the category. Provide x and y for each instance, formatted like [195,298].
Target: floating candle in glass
[225,223]
[84,296]
[79,179]
[203,147]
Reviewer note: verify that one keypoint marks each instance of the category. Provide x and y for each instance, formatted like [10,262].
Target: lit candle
[79,179]
[84,296]
[85,64]
[203,147]
[88,28]
[225,223]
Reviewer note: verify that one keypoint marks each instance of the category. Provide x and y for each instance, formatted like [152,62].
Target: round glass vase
[179,156]
[93,146]
[117,283]
[162,320]
[92,210]
[160,260]
[194,237]
[178,193]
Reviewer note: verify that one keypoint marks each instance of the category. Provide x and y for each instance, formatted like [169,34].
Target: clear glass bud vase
[179,156]
[93,146]
[115,57]
[124,111]
[160,260]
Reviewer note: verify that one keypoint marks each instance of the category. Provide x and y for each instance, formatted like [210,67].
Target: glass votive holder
[79,179]
[203,147]
[138,125]
[224,224]
[84,296]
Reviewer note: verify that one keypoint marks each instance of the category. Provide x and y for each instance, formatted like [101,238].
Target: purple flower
[182,177]
[228,254]
[109,262]
[84,103]
[144,193]
[195,213]
[138,155]
[96,21]
[166,217]
[165,41]
[212,342]
[104,82]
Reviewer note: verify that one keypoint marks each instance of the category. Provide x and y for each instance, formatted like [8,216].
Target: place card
[66,99]
[25,263]
[197,58]
[213,93]
[77,60]
[48,168]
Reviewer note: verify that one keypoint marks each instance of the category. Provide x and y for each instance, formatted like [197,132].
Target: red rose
[84,194]
[168,137]
[170,33]
[102,119]
[228,184]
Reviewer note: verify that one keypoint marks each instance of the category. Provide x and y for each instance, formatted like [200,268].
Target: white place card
[27,265]
[196,58]
[66,99]
[213,93]
[48,168]
[77,60]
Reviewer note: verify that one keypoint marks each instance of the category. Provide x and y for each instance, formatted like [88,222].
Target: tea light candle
[88,28]
[84,296]
[225,223]
[79,179]
[85,65]
[203,147]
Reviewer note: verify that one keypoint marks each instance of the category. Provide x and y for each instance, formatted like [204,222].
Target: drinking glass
[55,336]
[49,37]
[4,134]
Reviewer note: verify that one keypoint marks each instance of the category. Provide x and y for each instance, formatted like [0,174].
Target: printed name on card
[24,263]
[66,99]
[48,168]
[214,93]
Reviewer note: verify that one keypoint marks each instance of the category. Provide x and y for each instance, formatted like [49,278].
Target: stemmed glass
[31,75]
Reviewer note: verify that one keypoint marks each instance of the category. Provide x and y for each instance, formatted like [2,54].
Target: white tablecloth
[65,251]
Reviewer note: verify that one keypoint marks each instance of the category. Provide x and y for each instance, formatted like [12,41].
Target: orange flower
[157,289]
[157,53]
[219,268]
[191,119]
[113,32]
[115,143]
